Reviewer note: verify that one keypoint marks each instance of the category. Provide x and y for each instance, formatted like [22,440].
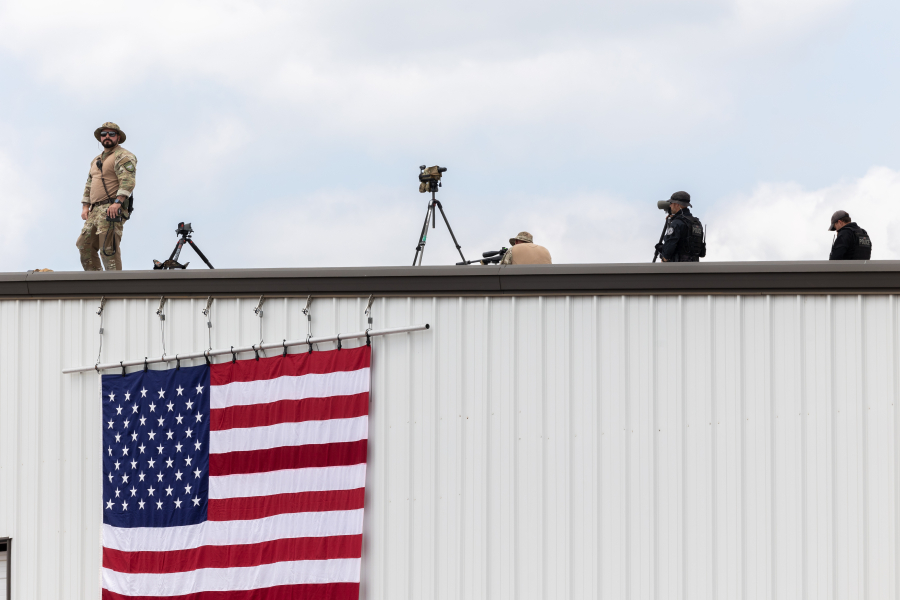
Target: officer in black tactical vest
[852,241]
[683,240]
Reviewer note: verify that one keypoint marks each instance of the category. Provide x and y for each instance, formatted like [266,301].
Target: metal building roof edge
[811,277]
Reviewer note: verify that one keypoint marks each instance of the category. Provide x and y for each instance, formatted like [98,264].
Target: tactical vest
[691,247]
[862,250]
[104,182]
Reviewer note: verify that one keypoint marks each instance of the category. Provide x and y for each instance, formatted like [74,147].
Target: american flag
[236,481]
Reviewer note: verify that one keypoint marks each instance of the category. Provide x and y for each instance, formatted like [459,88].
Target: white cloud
[782,221]
[539,86]
[369,228]
[777,221]
[24,208]
[334,228]
[627,73]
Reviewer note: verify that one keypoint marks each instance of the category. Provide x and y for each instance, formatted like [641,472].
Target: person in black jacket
[852,242]
[683,240]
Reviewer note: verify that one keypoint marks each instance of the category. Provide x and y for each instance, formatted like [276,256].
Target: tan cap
[109,125]
[523,236]
[839,215]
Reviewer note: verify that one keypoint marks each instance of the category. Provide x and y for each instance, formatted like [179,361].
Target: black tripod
[430,216]
[185,232]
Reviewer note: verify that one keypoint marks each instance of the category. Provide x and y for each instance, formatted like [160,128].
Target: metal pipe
[208,353]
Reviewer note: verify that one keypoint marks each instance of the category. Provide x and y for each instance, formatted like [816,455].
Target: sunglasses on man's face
[108,134]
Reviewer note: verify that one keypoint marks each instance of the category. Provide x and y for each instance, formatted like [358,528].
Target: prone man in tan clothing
[110,183]
[525,252]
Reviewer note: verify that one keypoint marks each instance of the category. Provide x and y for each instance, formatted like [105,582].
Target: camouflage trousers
[96,242]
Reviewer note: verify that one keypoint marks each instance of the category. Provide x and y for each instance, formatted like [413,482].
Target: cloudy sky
[290,133]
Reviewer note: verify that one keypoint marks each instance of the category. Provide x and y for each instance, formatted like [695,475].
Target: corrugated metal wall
[532,447]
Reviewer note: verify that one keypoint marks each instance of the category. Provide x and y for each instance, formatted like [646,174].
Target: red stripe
[290,411]
[258,507]
[309,591]
[338,454]
[348,359]
[243,555]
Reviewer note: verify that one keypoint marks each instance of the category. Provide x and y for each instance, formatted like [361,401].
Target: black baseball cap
[681,198]
[840,215]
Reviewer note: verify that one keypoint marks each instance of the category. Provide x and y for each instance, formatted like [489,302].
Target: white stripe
[288,481]
[229,533]
[312,385]
[235,578]
[289,434]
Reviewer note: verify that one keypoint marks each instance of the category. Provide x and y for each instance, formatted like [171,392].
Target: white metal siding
[534,447]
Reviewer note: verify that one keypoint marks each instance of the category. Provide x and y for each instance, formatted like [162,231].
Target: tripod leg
[176,253]
[197,250]
[174,250]
[425,237]
[420,248]
[450,229]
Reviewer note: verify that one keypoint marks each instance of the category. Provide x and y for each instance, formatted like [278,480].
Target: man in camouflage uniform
[110,182]
[525,252]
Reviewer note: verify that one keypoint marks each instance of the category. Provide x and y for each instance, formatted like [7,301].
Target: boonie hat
[839,215]
[523,236]
[110,125]
[681,198]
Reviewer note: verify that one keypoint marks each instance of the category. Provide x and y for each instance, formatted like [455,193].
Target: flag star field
[155,448]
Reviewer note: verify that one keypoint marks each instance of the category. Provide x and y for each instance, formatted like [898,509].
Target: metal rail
[209,353]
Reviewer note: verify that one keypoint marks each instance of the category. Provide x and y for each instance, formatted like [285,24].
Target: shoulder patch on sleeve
[129,166]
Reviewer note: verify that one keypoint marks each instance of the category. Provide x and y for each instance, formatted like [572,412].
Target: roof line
[810,277]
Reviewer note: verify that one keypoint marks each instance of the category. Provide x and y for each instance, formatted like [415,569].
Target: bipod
[431,216]
[172,261]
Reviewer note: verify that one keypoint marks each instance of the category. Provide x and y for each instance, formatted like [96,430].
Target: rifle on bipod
[487,258]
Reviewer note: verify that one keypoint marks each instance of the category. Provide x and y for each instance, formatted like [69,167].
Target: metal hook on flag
[145,364]
[368,313]
[100,312]
[123,367]
[207,313]
[309,343]
[259,313]
[306,311]
[177,363]
[255,351]
[206,356]
[284,345]
[339,341]
[233,356]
